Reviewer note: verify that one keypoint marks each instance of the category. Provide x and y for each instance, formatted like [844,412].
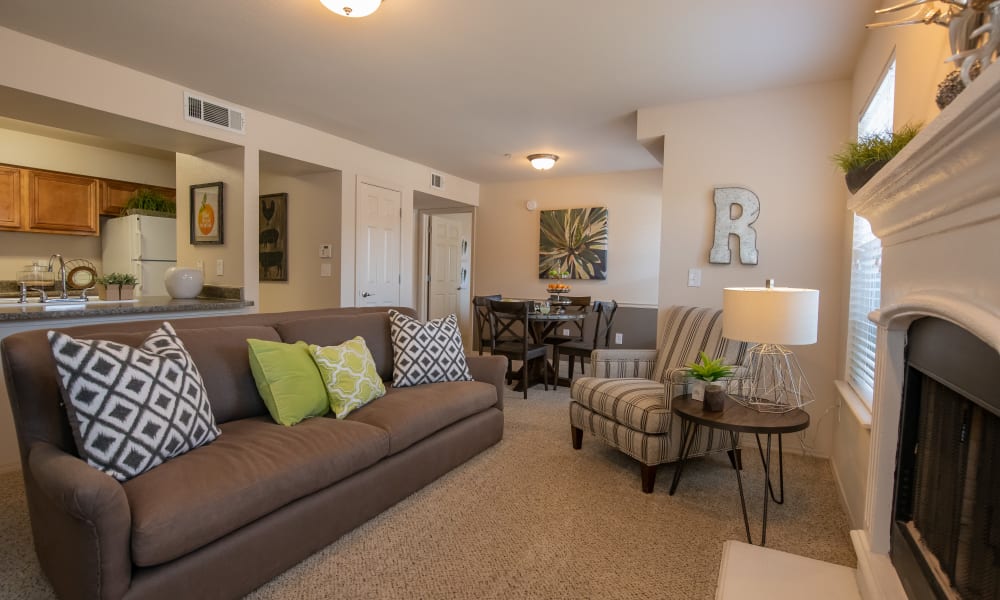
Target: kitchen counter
[34,310]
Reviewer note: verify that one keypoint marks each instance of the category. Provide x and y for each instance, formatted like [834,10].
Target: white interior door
[378,244]
[445,256]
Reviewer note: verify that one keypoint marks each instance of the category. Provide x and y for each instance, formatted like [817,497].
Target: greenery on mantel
[875,148]
[150,202]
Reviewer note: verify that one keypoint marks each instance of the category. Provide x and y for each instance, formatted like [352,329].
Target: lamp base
[774,381]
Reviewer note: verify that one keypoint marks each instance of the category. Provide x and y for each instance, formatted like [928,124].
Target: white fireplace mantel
[936,208]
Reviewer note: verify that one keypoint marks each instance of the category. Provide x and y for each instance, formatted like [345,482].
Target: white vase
[184,282]
[698,390]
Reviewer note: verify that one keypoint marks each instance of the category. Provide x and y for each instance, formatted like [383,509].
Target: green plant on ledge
[709,370]
[149,200]
[860,160]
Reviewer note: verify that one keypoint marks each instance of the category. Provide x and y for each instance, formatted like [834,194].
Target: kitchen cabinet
[116,194]
[10,198]
[60,203]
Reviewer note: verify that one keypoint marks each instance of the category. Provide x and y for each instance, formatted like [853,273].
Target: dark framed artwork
[573,243]
[273,237]
[206,213]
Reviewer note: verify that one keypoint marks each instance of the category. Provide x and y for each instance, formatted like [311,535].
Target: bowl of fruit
[558,287]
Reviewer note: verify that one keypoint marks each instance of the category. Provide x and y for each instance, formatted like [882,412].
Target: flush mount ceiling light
[542,162]
[352,8]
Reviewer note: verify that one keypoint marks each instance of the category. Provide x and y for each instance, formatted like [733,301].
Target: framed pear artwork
[206,213]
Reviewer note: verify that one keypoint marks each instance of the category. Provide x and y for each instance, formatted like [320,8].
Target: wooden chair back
[605,310]
[481,319]
[508,321]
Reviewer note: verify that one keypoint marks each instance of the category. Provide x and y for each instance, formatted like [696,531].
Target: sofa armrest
[489,369]
[620,364]
[81,523]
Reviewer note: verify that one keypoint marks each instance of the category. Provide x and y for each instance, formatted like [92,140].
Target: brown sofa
[225,518]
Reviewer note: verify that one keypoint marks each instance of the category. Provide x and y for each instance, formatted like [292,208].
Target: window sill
[858,407]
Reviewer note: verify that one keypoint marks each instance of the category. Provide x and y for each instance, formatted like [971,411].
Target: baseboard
[856,522]
[10,467]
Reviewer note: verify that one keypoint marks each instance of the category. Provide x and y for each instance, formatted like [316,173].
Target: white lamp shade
[786,316]
[543,162]
[352,8]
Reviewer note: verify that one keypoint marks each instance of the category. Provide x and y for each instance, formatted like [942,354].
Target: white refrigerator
[143,246]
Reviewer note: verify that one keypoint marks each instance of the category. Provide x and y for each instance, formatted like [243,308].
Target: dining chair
[481,315]
[577,304]
[510,333]
[605,312]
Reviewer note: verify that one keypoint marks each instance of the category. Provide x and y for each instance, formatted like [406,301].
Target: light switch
[326,251]
[200,265]
[325,270]
[618,339]
[694,277]
[219,270]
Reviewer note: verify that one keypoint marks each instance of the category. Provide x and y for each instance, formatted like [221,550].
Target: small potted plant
[706,374]
[860,160]
[127,284]
[117,286]
[150,203]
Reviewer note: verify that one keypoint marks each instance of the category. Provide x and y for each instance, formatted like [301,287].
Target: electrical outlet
[618,339]
[325,271]
[565,331]
[694,277]
[219,270]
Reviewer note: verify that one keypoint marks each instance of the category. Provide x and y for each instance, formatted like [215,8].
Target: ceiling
[461,84]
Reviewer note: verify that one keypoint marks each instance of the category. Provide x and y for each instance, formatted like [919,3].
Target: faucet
[62,275]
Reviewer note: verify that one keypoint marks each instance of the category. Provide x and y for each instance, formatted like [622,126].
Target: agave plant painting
[573,241]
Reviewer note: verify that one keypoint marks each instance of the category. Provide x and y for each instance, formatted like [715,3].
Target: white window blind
[866,282]
[866,256]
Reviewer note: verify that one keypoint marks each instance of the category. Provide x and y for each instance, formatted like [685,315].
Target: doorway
[378,248]
[445,256]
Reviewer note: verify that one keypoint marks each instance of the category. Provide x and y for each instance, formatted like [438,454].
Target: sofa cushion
[288,381]
[637,403]
[337,329]
[428,352]
[252,469]
[411,414]
[349,374]
[132,409]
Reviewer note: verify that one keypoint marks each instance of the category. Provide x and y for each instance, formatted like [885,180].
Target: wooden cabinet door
[10,198]
[61,203]
[115,195]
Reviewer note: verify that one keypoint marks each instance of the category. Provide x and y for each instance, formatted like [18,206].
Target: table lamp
[772,317]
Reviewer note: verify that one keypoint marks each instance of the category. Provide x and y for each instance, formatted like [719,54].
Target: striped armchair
[627,403]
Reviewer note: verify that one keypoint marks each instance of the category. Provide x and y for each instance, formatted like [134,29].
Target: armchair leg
[577,437]
[648,477]
[736,458]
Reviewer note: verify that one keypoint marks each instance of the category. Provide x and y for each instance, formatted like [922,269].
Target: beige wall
[777,144]
[53,72]
[920,52]
[313,219]
[506,240]
[225,166]
[41,152]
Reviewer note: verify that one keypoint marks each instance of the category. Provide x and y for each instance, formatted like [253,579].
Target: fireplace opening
[945,535]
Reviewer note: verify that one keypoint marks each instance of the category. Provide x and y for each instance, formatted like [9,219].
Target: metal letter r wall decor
[725,224]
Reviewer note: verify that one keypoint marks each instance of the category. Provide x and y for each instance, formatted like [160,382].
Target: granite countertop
[34,310]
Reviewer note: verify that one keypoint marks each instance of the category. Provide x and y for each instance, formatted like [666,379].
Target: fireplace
[945,534]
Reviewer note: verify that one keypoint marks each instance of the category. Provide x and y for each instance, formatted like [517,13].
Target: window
[866,257]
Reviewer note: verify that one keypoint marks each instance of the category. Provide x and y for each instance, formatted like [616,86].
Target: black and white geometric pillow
[428,352]
[132,408]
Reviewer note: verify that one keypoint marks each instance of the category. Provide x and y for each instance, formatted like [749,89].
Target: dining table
[541,326]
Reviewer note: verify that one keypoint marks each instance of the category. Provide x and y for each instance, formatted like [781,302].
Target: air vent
[437,182]
[213,113]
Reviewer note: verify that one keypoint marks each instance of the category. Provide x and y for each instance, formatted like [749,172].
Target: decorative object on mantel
[206,214]
[706,374]
[725,224]
[574,241]
[860,160]
[184,282]
[973,29]
[772,317]
[150,203]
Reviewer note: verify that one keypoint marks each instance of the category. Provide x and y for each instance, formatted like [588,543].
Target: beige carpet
[532,518]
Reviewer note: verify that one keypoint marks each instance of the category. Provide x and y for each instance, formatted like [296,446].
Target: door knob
[365,294]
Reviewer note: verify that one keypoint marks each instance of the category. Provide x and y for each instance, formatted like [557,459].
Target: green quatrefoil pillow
[349,375]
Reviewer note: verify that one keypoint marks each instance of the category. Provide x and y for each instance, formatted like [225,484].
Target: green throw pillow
[349,375]
[288,380]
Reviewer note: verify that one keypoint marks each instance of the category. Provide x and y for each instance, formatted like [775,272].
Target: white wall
[42,152]
[313,219]
[57,73]
[920,52]
[506,241]
[777,144]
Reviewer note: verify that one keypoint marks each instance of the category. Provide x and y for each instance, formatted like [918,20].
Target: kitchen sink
[61,304]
